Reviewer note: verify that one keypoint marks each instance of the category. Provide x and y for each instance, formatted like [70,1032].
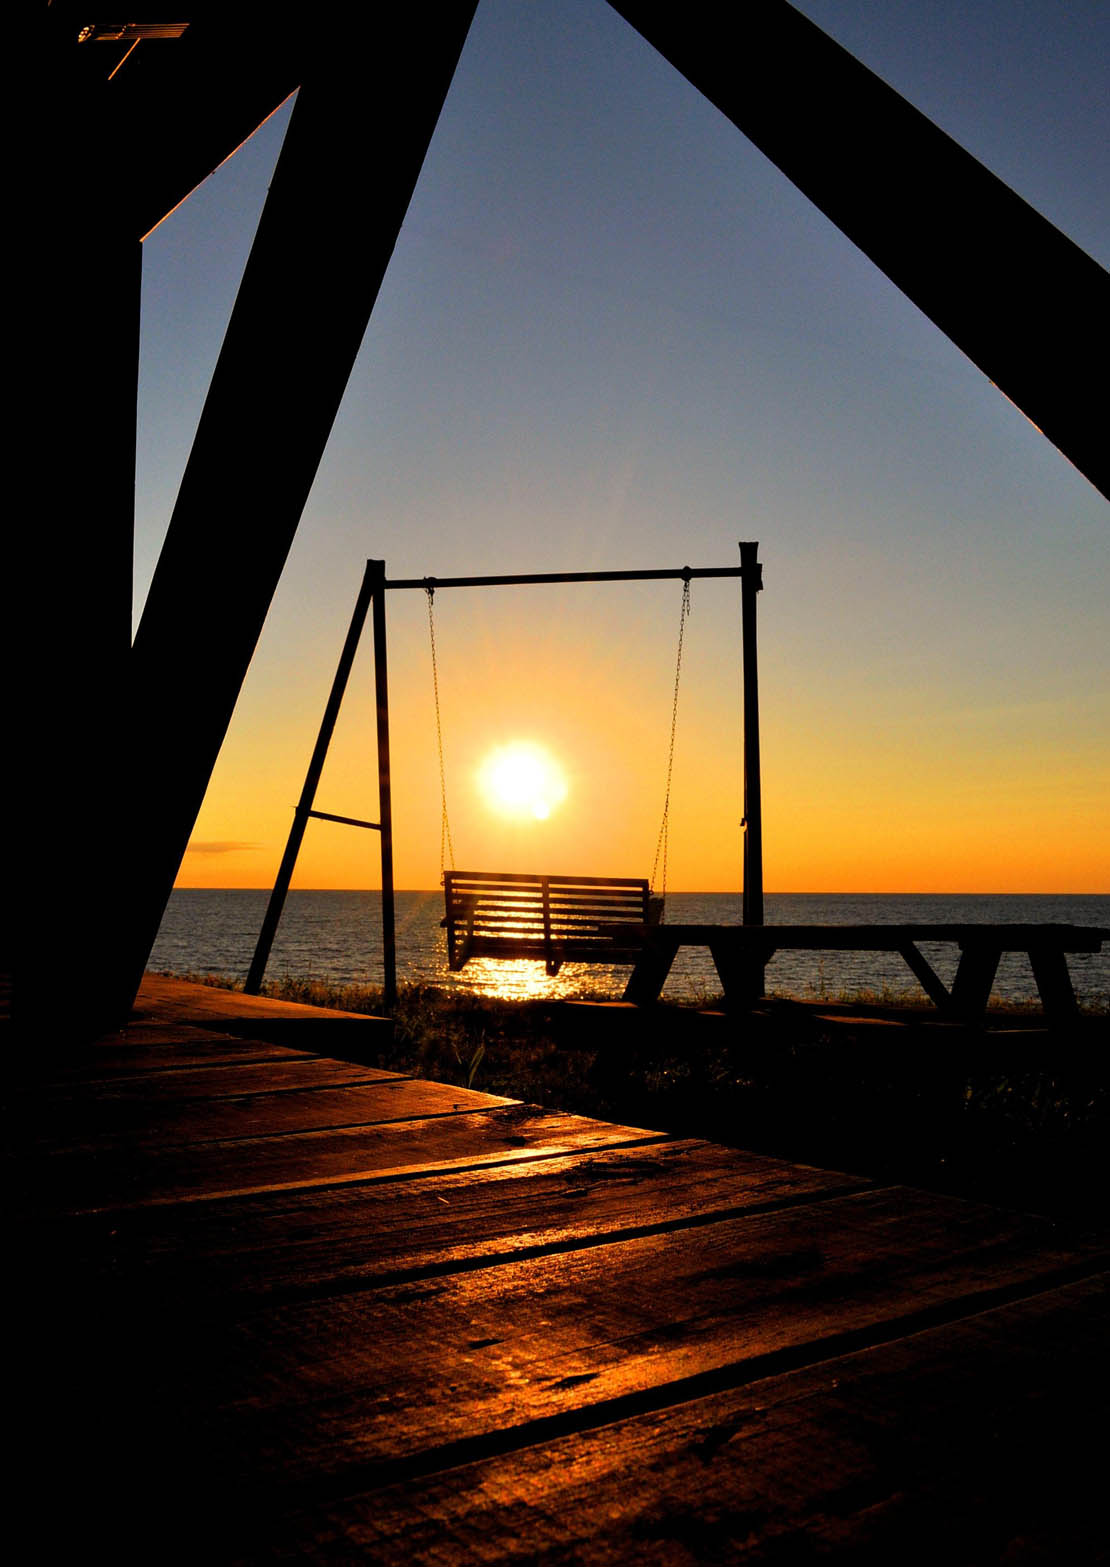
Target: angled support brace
[1015,294]
[971,989]
[358,134]
[927,977]
[1050,970]
[304,807]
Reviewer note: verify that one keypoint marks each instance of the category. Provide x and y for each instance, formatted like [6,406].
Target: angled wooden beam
[1015,294]
[193,101]
[355,145]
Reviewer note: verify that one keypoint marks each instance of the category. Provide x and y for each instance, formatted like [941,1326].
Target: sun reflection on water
[527,979]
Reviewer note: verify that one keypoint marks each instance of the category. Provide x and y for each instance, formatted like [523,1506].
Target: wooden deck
[281,1307]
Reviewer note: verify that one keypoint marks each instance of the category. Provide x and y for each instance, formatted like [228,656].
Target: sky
[613,336]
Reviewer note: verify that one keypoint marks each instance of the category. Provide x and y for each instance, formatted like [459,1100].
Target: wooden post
[375,570]
[751,582]
[73,370]
[307,800]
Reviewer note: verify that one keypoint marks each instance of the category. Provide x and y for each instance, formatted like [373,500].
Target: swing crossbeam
[538,578]
[555,919]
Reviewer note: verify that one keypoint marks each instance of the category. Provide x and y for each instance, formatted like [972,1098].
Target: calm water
[337,936]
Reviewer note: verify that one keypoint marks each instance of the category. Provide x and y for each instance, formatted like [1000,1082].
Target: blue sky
[613,335]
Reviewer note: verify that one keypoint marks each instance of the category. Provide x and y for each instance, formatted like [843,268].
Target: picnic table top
[1078,938]
[282,1307]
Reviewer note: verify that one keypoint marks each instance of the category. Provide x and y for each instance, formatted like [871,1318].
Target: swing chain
[664,826]
[446,847]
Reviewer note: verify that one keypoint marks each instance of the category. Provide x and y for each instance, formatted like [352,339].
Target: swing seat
[556,919]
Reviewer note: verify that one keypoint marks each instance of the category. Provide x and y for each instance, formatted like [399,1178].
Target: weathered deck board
[244,1249]
[118,1172]
[268,1075]
[346,1387]
[163,999]
[186,1049]
[958,1444]
[268,1107]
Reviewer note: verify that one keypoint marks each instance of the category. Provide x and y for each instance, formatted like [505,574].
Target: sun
[522,780]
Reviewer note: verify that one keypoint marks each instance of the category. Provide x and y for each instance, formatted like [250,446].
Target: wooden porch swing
[557,919]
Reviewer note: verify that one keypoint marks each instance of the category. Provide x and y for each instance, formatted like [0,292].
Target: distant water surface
[336,936]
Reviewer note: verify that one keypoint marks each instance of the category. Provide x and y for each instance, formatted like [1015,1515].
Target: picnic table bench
[559,919]
[740,952]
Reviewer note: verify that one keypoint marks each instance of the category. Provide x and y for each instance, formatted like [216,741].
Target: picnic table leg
[1050,970]
[741,972]
[971,989]
[652,967]
[928,978]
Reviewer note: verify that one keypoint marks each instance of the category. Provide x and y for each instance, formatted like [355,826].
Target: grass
[1013,1114]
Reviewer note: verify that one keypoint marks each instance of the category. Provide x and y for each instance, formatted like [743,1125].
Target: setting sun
[522,780]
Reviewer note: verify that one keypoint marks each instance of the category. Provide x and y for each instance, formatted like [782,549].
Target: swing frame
[372,598]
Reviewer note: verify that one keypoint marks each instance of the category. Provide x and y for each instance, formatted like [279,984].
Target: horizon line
[701,892]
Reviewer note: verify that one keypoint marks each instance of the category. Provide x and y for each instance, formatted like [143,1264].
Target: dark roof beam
[1014,293]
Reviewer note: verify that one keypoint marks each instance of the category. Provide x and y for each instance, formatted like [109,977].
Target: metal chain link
[664,826]
[446,847]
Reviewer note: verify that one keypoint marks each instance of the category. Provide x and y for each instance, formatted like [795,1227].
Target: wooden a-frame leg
[741,973]
[971,989]
[650,973]
[1050,970]
[928,978]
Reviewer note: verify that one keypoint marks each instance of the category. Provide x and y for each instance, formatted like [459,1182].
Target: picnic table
[740,953]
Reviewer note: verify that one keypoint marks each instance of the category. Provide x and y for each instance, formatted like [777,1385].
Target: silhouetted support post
[376,576]
[750,584]
[1017,296]
[303,809]
[356,140]
[70,541]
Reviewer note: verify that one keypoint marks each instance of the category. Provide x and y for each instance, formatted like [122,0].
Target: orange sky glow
[906,801]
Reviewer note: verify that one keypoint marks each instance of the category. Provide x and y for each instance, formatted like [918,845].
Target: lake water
[336,936]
